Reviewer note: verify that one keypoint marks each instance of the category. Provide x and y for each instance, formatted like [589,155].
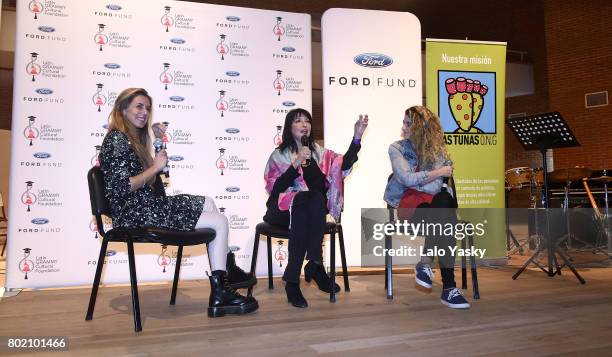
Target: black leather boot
[225,300]
[316,271]
[294,295]
[237,277]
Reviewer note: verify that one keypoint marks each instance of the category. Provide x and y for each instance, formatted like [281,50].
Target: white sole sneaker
[422,283]
[455,306]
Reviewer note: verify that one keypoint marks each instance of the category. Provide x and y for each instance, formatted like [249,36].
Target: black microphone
[159,144]
[305,142]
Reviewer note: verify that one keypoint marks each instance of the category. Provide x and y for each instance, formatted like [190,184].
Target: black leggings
[306,234]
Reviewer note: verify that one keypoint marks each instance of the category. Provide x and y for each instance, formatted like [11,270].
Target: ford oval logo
[232,130]
[178,41]
[232,189]
[40,221]
[232,18]
[176,158]
[288,49]
[110,253]
[232,73]
[42,155]
[234,248]
[46,29]
[112,65]
[373,60]
[113,7]
[104,126]
[289,103]
[44,91]
[176,98]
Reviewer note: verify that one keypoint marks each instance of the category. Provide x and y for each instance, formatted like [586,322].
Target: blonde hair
[140,138]
[427,136]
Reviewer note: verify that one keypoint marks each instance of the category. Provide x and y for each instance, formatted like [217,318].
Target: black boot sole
[244,284]
[232,310]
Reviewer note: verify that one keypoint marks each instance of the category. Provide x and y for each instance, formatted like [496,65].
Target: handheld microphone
[158,144]
[305,142]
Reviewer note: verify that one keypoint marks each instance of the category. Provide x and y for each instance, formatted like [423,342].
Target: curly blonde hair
[427,136]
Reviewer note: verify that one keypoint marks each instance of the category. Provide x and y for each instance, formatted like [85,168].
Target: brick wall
[579,55]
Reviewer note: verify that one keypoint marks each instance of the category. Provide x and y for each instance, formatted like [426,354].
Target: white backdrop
[222,77]
[371,65]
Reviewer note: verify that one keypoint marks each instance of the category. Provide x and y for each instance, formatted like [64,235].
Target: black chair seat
[162,236]
[283,232]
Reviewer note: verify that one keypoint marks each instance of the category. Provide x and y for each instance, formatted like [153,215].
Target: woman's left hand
[159,129]
[360,126]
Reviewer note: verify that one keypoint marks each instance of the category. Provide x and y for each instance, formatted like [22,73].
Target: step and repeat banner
[371,65]
[221,77]
[466,88]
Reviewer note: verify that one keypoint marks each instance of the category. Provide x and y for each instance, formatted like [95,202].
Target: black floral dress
[143,207]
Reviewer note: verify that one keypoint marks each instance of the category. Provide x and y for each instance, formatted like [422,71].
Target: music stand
[542,132]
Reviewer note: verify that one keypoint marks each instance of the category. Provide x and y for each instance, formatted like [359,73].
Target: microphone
[305,142]
[158,144]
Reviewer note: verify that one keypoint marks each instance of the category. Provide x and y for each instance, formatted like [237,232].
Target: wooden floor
[534,315]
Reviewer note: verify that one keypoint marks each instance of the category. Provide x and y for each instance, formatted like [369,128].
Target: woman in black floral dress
[130,172]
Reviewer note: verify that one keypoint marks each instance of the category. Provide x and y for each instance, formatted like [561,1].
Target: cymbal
[569,174]
[604,179]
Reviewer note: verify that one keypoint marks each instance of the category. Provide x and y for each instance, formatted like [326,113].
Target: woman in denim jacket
[420,162]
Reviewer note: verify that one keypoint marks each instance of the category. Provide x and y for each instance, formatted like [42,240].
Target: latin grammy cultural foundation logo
[238,222]
[279,28]
[231,48]
[221,163]
[176,77]
[35,7]
[167,20]
[31,132]
[48,68]
[95,159]
[286,30]
[280,255]
[29,198]
[278,138]
[230,104]
[101,99]
[32,68]
[180,137]
[100,38]
[176,20]
[165,77]
[113,39]
[106,222]
[163,259]
[47,8]
[26,265]
[278,83]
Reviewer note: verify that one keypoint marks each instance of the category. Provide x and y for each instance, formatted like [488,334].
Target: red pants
[410,201]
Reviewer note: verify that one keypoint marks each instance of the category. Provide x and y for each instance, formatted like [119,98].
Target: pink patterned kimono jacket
[330,164]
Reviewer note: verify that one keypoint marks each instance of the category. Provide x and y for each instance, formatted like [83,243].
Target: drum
[518,177]
[538,176]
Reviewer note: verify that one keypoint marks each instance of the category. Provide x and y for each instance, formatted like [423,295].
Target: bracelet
[425,176]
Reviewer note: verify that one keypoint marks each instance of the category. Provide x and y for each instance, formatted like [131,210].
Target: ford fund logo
[373,60]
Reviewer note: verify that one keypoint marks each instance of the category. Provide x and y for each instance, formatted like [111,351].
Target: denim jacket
[404,163]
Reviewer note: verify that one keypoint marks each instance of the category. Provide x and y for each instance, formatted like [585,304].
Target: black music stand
[542,132]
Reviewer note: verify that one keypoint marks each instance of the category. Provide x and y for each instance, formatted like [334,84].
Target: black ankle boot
[225,300]
[294,295]
[316,271]
[237,277]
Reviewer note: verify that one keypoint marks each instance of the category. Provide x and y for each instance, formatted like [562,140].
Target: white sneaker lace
[453,293]
[428,270]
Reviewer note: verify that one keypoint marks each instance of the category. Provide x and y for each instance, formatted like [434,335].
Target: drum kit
[521,178]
